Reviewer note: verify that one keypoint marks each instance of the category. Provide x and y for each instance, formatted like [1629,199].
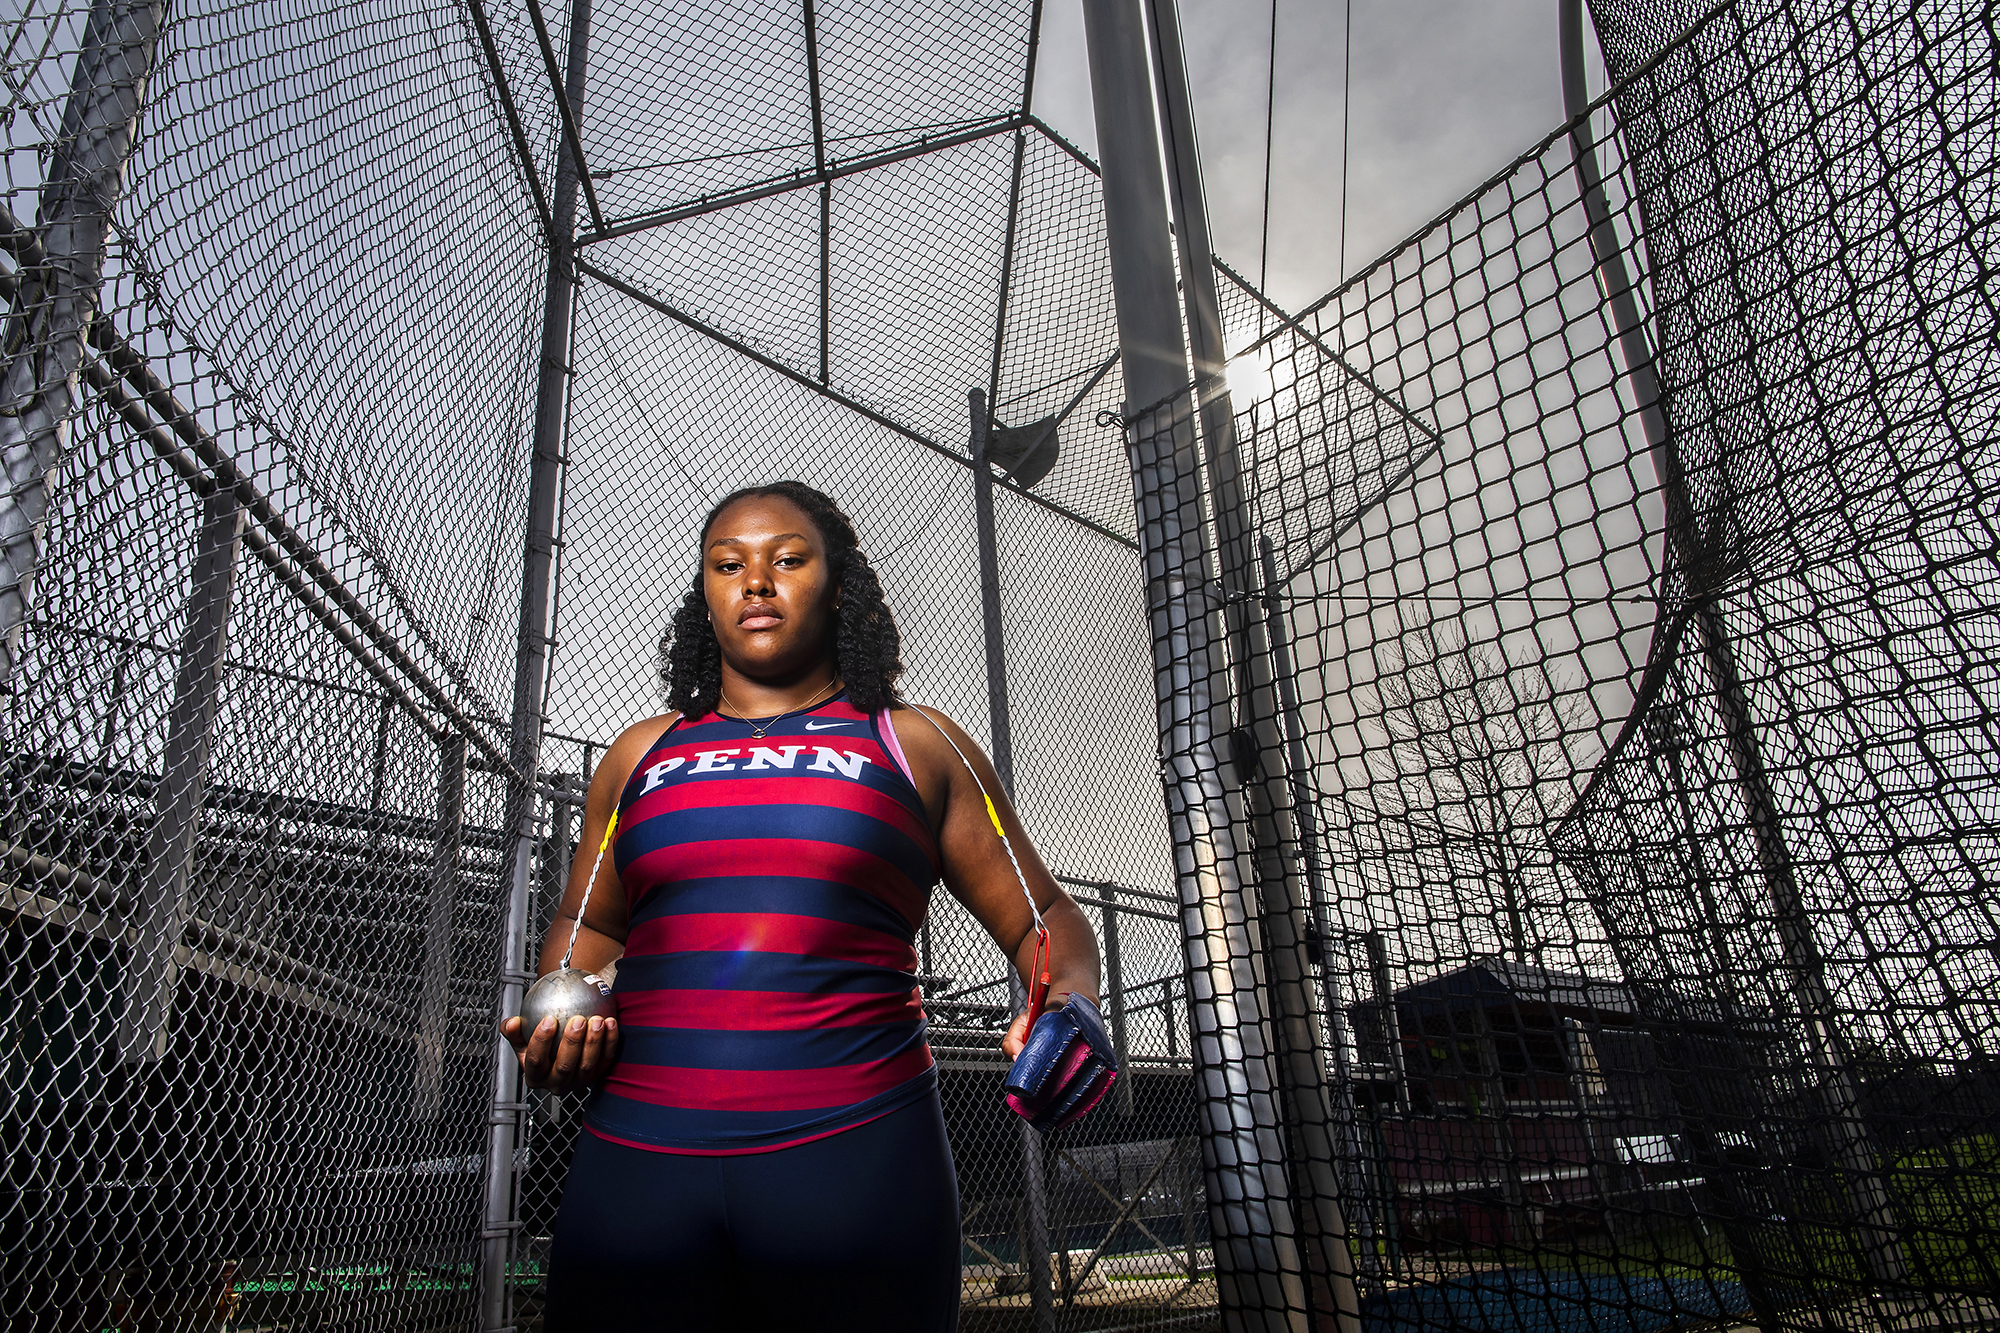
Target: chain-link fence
[252,818]
[1573,903]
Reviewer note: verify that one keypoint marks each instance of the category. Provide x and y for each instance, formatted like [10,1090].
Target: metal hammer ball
[564,994]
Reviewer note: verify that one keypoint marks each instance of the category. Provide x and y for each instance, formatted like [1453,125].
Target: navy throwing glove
[1066,1067]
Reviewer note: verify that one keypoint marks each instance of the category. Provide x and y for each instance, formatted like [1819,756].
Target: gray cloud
[1445,92]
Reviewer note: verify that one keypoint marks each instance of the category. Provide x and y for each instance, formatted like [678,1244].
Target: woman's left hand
[1016,1039]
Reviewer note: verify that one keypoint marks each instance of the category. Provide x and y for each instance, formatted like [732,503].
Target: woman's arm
[583,1053]
[978,873]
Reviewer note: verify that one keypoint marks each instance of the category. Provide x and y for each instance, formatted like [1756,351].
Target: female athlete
[766,1148]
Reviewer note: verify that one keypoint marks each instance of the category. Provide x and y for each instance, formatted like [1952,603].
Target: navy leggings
[856,1231]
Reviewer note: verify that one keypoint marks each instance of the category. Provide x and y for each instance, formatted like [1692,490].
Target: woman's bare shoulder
[643,734]
[919,724]
[631,747]
[930,736]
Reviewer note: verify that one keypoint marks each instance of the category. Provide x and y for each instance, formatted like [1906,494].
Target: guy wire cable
[576,927]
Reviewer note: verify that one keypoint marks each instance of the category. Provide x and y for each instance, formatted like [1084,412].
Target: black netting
[1572,903]
[1617,715]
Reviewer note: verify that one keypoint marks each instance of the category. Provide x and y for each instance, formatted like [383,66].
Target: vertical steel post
[55,305]
[1192,1170]
[434,1000]
[1258,1271]
[1385,1004]
[1035,1210]
[121,666]
[1383,991]
[530,672]
[1321,1156]
[1845,1129]
[1292,766]
[1114,996]
[378,782]
[811,23]
[566,798]
[1493,1105]
[152,967]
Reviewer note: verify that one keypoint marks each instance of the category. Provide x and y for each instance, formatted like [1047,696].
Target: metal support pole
[989,599]
[114,704]
[825,195]
[56,302]
[434,1002]
[1493,1106]
[1035,1220]
[530,672]
[1844,1128]
[1261,1281]
[1385,1192]
[1586,1090]
[153,967]
[378,780]
[1294,767]
[1114,997]
[566,801]
[1385,1003]
[1321,1156]
[566,807]
[378,783]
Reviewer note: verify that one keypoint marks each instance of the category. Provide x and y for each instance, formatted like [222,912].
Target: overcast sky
[1445,92]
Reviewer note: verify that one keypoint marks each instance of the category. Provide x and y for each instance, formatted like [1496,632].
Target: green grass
[1950,1199]
[1946,1202]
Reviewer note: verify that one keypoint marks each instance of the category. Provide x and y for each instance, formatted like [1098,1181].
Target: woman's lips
[758,617]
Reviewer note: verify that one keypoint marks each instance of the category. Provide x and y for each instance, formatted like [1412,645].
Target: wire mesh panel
[1626,741]
[263,487]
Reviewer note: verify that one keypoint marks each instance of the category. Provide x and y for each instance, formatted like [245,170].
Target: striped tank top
[768,993]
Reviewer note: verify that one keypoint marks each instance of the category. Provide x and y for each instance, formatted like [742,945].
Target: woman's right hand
[579,1058]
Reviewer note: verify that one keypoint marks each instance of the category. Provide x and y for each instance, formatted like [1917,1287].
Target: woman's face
[769,591]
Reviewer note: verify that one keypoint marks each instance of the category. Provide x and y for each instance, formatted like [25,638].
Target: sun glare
[1250,377]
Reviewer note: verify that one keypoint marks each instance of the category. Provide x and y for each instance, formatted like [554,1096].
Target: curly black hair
[867,648]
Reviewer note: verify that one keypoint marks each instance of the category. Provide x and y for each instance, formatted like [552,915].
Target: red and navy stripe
[768,992]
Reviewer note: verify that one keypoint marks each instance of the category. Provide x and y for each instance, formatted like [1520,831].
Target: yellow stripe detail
[609,829]
[993,815]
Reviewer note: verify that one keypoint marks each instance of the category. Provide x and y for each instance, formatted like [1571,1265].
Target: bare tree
[1480,751]
[1478,748]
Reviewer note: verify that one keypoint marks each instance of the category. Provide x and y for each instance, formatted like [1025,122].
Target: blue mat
[1523,1301]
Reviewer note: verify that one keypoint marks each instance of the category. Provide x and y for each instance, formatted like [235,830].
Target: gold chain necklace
[757,730]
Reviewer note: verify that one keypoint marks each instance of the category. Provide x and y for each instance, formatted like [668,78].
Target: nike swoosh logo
[826,726]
